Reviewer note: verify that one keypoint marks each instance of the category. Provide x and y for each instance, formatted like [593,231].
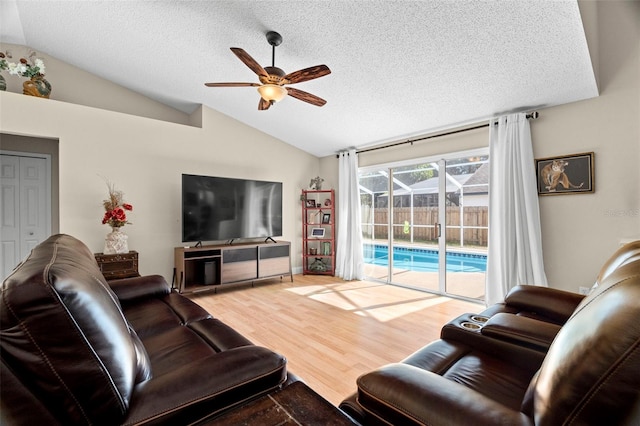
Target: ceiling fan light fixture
[274,79]
[272,92]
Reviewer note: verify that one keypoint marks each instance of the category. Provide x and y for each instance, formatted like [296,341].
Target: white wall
[145,159]
[73,85]
[579,231]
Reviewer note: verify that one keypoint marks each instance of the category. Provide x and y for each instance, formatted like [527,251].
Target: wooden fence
[475,224]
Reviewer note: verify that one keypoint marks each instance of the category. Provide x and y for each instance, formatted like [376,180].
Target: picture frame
[326,218]
[310,203]
[568,174]
[317,232]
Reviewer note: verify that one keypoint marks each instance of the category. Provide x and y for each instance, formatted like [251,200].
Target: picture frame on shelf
[317,232]
[310,203]
[326,218]
[568,174]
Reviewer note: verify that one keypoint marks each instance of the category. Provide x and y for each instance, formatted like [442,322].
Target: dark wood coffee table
[296,404]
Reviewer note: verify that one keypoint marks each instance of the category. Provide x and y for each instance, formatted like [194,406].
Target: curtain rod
[530,116]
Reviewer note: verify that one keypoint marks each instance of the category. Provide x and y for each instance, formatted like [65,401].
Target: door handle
[436,229]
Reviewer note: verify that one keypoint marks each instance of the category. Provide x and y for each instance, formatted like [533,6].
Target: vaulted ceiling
[399,68]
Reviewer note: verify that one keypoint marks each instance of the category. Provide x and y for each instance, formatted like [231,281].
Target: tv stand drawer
[239,271]
[273,267]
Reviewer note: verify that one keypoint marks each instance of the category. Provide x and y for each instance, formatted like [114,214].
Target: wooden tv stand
[205,268]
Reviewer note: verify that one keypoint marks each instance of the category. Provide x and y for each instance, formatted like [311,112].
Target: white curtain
[349,253]
[515,243]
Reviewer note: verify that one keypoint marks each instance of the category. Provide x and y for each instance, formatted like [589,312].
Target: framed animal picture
[569,174]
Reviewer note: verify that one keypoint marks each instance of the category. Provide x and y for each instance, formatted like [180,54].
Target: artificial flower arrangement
[115,208]
[31,67]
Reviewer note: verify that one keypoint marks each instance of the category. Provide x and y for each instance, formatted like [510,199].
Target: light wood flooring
[330,330]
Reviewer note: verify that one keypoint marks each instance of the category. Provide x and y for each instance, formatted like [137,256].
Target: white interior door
[25,211]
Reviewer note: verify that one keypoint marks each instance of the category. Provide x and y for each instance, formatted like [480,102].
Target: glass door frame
[440,160]
[442,226]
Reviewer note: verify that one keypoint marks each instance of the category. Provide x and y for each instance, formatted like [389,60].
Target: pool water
[424,260]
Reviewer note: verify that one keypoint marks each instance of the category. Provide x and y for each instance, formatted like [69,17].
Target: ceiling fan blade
[305,97]
[307,74]
[249,61]
[263,105]
[232,84]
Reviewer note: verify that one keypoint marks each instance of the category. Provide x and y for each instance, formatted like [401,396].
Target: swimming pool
[423,260]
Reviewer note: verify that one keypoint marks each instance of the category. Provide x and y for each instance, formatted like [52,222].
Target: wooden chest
[115,266]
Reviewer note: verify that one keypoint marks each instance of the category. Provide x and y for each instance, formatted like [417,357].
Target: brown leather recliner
[532,316]
[590,374]
[552,305]
[76,351]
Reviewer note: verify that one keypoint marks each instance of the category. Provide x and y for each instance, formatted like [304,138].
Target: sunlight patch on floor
[393,311]
[308,290]
[369,299]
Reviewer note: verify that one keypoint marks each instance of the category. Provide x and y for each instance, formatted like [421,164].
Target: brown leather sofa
[77,350]
[527,361]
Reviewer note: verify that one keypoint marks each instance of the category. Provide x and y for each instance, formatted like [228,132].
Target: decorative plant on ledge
[33,68]
[4,65]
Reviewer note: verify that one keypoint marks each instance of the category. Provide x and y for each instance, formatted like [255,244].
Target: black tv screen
[217,208]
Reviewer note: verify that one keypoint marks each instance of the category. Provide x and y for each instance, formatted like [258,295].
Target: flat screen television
[218,208]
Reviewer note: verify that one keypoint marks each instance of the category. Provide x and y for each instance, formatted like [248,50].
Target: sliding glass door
[425,224]
[415,226]
[466,218]
[374,193]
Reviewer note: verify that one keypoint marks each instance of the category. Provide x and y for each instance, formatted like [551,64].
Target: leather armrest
[525,356]
[403,394]
[351,408]
[521,330]
[128,289]
[557,305]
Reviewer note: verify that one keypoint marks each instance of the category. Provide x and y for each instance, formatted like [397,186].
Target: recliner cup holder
[479,318]
[471,325]
[471,322]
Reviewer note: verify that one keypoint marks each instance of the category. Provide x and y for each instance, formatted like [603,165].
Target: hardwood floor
[330,330]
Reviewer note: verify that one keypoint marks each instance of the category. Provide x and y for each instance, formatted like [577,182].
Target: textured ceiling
[399,68]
